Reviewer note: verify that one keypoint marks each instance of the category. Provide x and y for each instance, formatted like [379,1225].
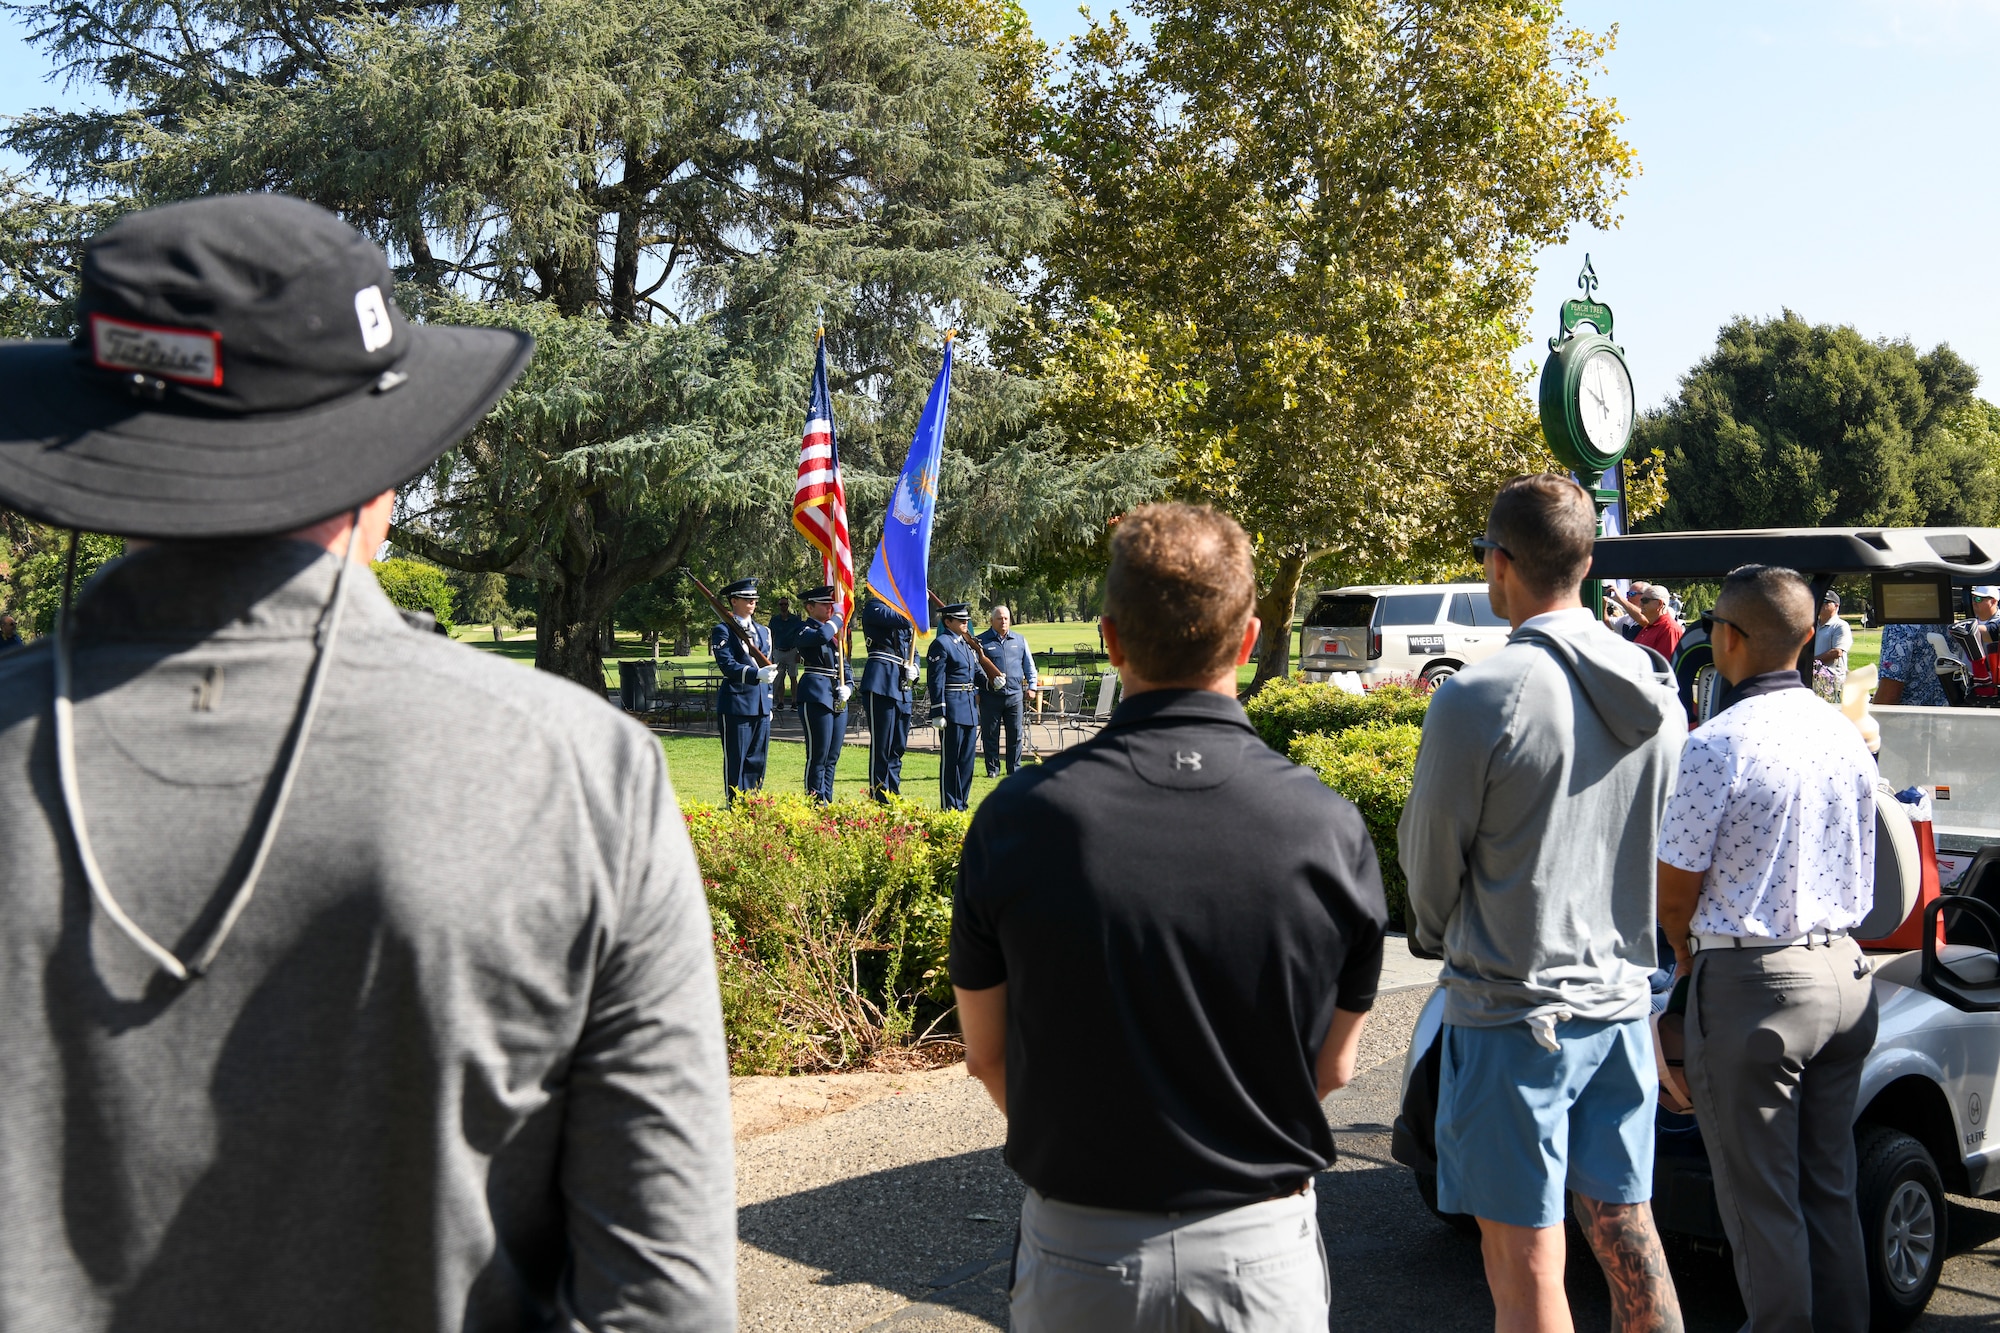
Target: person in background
[10,634]
[1000,702]
[785,652]
[953,669]
[1767,861]
[823,690]
[324,1088]
[1660,630]
[1986,615]
[743,699]
[1164,944]
[1529,843]
[1621,610]
[1832,641]
[1908,667]
[886,685]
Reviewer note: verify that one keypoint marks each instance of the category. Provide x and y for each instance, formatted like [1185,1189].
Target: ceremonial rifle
[993,672]
[757,654]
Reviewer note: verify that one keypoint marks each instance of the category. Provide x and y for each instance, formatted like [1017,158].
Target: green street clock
[1587,401]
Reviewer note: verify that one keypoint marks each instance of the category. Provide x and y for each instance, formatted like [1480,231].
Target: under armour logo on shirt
[1190,759]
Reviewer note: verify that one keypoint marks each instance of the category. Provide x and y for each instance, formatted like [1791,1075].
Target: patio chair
[1085,725]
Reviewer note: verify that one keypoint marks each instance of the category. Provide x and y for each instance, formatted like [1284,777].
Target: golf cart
[1932,1079]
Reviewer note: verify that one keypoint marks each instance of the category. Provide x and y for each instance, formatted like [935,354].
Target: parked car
[1383,630]
[1930,1084]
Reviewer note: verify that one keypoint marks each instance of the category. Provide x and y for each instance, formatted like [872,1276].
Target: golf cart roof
[1969,555]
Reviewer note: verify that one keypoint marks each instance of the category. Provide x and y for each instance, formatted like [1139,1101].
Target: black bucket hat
[240,368]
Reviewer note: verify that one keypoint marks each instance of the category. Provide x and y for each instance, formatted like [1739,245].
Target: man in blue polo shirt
[1000,701]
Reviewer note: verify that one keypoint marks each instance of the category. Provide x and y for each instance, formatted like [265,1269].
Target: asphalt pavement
[899,1214]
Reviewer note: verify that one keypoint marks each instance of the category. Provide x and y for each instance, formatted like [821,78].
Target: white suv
[1382,630]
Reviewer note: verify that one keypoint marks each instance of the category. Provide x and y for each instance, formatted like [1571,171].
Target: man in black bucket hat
[354,979]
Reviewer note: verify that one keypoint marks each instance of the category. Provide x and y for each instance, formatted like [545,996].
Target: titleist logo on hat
[187,356]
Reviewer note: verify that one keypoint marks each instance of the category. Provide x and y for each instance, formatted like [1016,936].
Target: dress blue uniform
[886,682]
[743,700]
[953,671]
[999,708]
[824,684]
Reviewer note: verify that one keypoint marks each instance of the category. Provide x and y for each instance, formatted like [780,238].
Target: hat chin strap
[65,737]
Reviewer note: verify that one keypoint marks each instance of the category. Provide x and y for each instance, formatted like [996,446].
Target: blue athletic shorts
[1518,1123]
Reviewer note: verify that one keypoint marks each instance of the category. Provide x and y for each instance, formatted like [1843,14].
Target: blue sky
[1838,157]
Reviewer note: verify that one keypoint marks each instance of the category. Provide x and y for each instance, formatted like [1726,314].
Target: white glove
[767,674]
[910,672]
[846,692]
[999,682]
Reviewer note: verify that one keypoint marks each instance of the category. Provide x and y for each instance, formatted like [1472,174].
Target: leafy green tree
[33,558]
[1314,222]
[669,194]
[1790,424]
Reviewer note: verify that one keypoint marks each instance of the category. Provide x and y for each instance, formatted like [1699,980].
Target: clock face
[1604,402]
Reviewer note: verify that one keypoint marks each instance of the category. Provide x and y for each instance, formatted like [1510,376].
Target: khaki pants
[1775,1041]
[1259,1268]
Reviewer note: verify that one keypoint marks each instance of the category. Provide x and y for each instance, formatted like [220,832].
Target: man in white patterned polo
[1767,861]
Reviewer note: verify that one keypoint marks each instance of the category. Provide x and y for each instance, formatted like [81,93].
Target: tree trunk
[653,637]
[569,634]
[496,631]
[683,641]
[1274,608]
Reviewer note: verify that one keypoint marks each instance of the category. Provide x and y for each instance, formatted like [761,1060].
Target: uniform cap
[823,593]
[741,588]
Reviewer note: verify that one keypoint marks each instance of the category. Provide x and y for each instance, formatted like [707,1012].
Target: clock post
[1587,401]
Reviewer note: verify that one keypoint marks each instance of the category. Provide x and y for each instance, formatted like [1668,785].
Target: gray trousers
[1775,1041]
[1259,1268]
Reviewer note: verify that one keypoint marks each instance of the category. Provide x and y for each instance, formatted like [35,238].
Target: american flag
[819,500]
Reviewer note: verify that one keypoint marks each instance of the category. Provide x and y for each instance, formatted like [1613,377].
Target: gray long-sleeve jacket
[460,1065]
[1530,838]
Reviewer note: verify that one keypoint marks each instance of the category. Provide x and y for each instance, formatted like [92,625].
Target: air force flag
[901,570]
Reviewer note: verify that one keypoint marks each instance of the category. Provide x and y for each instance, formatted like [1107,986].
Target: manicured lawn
[1867,649]
[694,763]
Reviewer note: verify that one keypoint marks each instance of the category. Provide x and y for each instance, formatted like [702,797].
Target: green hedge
[416,586]
[1286,709]
[1364,746]
[1371,766]
[831,926]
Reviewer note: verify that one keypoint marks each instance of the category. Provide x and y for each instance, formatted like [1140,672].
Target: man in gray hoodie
[1529,841]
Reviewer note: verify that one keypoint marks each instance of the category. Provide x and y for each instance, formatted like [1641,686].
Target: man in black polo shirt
[1164,943]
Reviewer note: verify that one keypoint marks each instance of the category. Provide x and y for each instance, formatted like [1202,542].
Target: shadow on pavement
[938,1232]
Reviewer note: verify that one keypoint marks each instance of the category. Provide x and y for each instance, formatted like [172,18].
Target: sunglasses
[1481,545]
[1709,620]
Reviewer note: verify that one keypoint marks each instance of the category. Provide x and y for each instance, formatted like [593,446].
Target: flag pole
[843,647]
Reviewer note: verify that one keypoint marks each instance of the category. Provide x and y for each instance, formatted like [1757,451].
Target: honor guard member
[1000,700]
[887,681]
[743,700]
[953,671]
[825,684]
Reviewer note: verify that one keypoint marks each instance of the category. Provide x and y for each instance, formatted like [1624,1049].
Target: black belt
[820,671]
[887,657]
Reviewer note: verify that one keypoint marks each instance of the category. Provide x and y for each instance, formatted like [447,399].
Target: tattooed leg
[1627,1246]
